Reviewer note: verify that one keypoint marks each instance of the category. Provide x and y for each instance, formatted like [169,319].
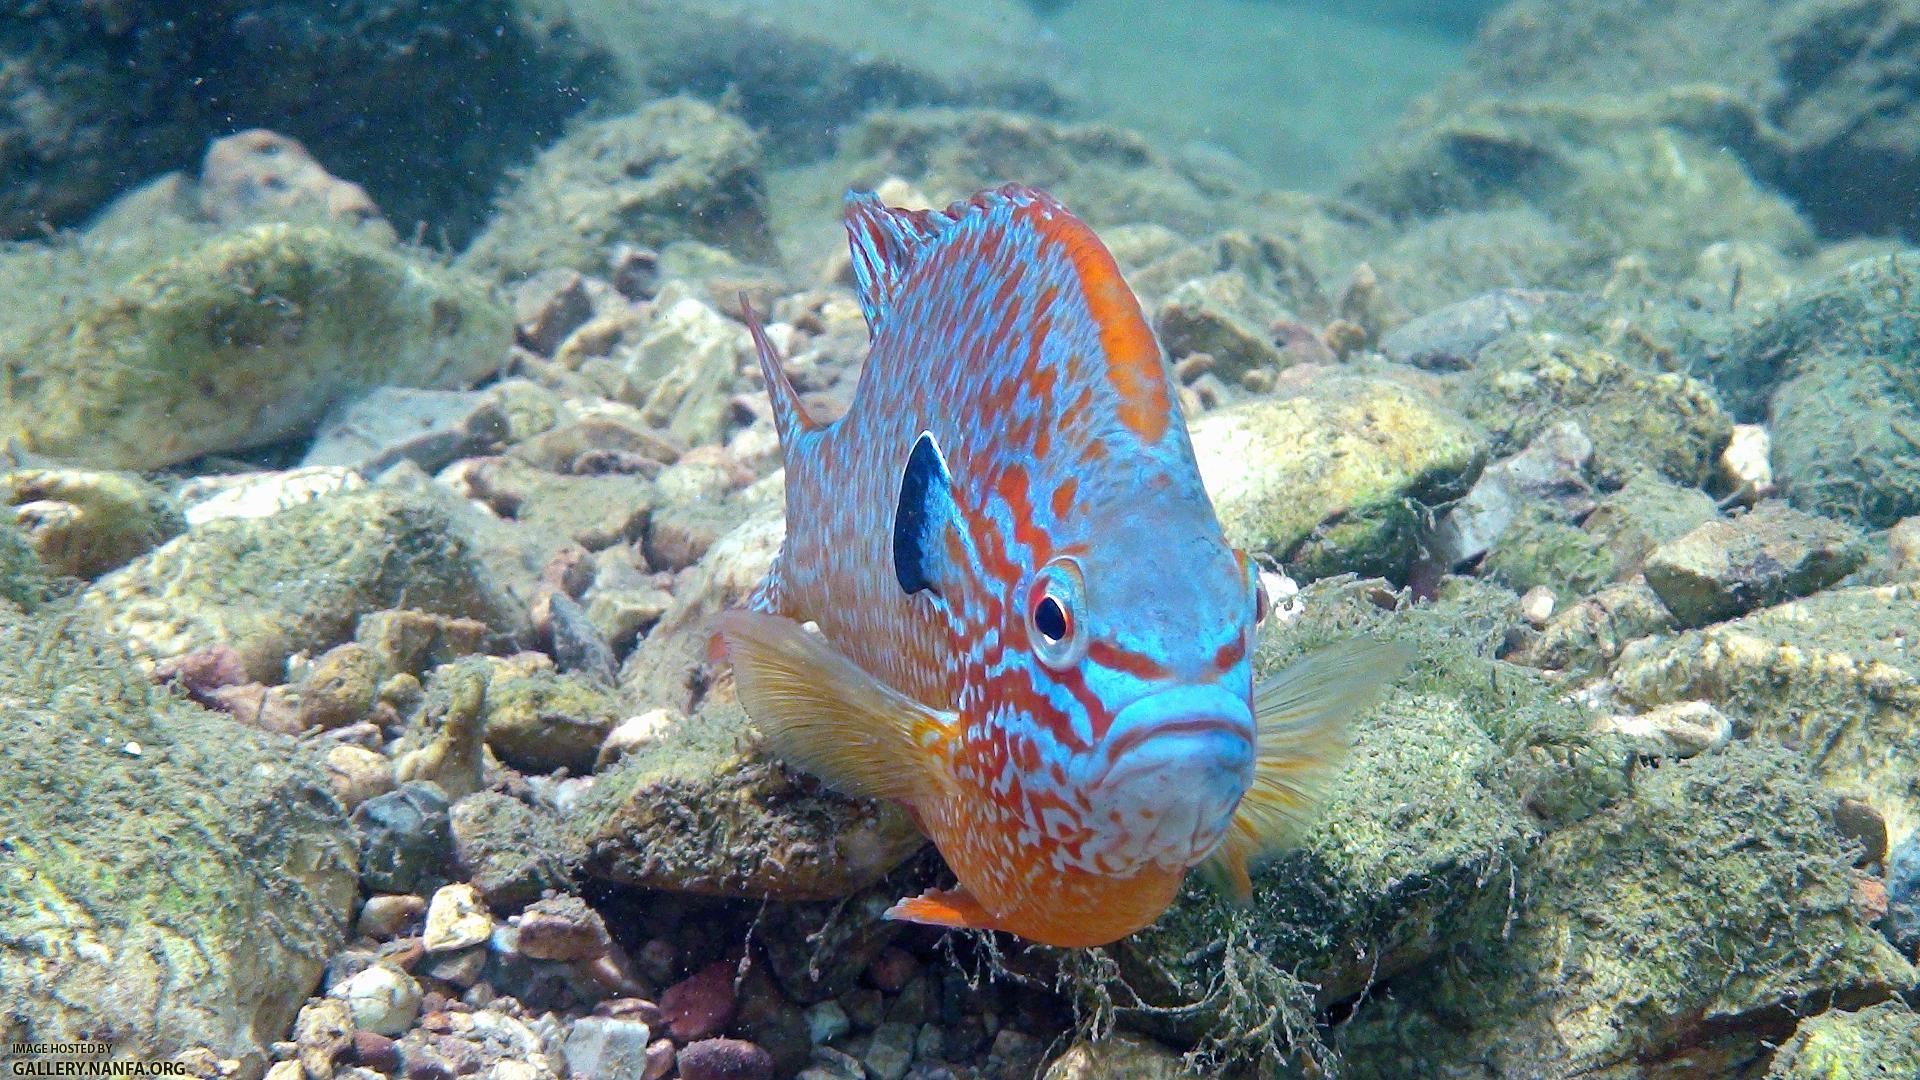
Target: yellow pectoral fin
[1302,714]
[822,713]
[943,907]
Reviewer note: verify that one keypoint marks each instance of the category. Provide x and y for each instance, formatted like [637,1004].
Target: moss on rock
[1636,418]
[202,342]
[1834,676]
[1335,478]
[1657,937]
[1880,1040]
[170,878]
[298,580]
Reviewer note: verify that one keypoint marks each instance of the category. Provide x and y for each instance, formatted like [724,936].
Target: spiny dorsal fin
[1302,713]
[887,242]
[921,516]
[789,415]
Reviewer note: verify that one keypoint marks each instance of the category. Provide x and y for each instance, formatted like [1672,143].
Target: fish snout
[1178,763]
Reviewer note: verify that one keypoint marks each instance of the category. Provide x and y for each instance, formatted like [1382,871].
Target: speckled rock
[340,686]
[232,871]
[508,850]
[384,999]
[1657,933]
[1331,480]
[83,523]
[296,581]
[680,372]
[234,341]
[700,811]
[1119,1057]
[1224,316]
[667,665]
[674,169]
[1729,567]
[1588,635]
[1636,418]
[1833,675]
[1880,1040]
[543,721]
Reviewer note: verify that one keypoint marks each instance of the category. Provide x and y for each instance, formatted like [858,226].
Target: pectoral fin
[1302,714]
[943,907]
[825,715]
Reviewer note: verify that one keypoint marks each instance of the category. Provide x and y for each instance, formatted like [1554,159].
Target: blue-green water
[383,430]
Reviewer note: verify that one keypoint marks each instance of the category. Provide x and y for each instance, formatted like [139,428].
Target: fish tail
[1302,714]
[789,415]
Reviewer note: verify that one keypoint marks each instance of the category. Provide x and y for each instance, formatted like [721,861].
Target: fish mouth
[1177,763]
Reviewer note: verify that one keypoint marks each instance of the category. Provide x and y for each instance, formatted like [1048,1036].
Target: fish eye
[1055,599]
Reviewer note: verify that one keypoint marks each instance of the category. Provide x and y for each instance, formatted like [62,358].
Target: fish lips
[1176,765]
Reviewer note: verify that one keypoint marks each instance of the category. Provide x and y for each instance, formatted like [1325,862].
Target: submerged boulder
[296,581]
[172,878]
[202,342]
[1833,675]
[1334,478]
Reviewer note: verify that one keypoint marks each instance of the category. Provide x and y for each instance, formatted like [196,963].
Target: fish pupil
[1050,619]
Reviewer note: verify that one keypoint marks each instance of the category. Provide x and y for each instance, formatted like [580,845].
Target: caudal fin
[1302,714]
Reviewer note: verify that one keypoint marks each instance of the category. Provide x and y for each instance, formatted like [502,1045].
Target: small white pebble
[1284,601]
[132,749]
[1537,606]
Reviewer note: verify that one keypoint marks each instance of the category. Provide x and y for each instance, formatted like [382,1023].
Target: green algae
[171,878]
[1878,1041]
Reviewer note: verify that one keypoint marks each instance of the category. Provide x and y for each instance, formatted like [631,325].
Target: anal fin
[825,715]
[954,908]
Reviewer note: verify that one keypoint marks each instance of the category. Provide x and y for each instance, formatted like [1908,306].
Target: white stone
[262,494]
[1681,729]
[382,999]
[1746,465]
[457,918]
[637,732]
[1537,606]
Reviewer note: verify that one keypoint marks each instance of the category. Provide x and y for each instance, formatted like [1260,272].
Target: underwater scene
[1007,540]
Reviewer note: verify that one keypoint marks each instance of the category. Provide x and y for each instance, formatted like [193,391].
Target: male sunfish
[1031,631]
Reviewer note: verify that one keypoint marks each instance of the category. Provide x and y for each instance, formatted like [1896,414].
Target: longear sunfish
[1030,630]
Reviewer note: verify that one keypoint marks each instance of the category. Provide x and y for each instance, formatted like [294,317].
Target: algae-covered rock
[269,587]
[675,169]
[1656,937]
[83,523]
[1841,358]
[544,721]
[1880,1040]
[1542,548]
[24,580]
[1118,1057]
[229,340]
[171,878]
[1413,852]
[1588,635]
[1646,512]
[1223,316]
[1636,418]
[700,810]
[509,851]
[1834,676]
[666,667]
[1335,478]
[1728,567]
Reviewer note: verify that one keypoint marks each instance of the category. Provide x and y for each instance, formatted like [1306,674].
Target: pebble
[384,917]
[891,1051]
[831,1064]
[263,494]
[382,999]
[1679,730]
[405,840]
[1536,606]
[461,967]
[391,424]
[322,1033]
[562,928]
[1858,820]
[286,1070]
[578,645]
[339,688]
[376,1052]
[635,733]
[826,1022]
[725,1059]
[701,1004]
[660,1055]
[356,774]
[548,306]
[603,1046]
[457,918]
[891,969]
[1746,465]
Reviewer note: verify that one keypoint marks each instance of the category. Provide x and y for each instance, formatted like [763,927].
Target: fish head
[1139,636]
